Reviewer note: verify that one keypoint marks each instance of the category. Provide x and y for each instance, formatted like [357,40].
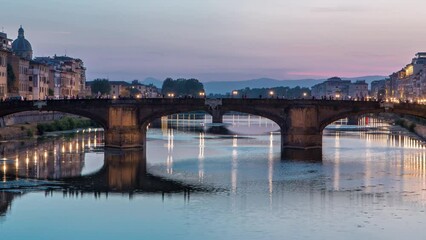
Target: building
[378,89]
[5,43]
[5,50]
[22,47]
[332,88]
[3,74]
[21,85]
[67,76]
[38,80]
[409,83]
[123,89]
[41,77]
[133,89]
[338,89]
[358,90]
[119,89]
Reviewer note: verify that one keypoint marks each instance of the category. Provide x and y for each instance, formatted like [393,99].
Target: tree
[182,87]
[12,84]
[101,86]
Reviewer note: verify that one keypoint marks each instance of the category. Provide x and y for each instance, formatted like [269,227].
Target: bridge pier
[353,120]
[217,116]
[124,130]
[301,129]
[125,137]
[124,169]
[301,139]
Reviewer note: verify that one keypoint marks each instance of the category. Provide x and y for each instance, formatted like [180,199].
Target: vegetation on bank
[101,85]
[66,123]
[406,124]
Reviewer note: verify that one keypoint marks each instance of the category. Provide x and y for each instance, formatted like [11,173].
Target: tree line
[182,87]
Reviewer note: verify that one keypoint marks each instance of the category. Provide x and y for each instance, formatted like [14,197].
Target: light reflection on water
[58,158]
[370,184]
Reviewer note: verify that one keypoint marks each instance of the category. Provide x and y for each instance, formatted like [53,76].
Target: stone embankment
[414,126]
[30,124]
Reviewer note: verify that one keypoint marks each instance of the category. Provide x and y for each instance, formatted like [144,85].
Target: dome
[21,46]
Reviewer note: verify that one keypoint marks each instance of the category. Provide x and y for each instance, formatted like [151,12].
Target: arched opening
[185,147]
[380,129]
[66,149]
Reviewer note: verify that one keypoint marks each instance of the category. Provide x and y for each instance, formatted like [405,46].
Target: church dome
[21,46]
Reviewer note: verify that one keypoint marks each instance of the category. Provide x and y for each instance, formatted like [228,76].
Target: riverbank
[415,126]
[18,131]
[32,130]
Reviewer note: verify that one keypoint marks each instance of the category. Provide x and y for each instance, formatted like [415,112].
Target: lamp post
[202,94]
[271,94]
[337,96]
[234,93]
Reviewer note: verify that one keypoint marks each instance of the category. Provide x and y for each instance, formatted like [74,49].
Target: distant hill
[153,81]
[223,87]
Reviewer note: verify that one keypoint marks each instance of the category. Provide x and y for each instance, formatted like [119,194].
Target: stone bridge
[125,121]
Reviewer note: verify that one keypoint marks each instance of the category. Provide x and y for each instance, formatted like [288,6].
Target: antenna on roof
[65,52]
[2,29]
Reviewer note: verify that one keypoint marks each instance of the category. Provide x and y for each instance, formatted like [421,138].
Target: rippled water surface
[202,183]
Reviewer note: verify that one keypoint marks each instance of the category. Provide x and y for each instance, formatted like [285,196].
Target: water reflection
[56,158]
[237,182]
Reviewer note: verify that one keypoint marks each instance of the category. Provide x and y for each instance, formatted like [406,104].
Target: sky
[223,40]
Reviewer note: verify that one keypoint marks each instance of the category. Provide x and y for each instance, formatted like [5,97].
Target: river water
[196,181]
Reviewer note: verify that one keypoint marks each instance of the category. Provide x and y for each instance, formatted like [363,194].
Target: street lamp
[305,94]
[234,93]
[271,93]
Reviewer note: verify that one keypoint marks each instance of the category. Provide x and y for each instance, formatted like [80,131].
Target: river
[199,182]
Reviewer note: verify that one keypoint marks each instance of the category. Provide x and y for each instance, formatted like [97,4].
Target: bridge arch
[398,109]
[95,113]
[342,115]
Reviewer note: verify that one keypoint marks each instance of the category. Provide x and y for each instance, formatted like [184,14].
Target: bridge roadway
[125,121]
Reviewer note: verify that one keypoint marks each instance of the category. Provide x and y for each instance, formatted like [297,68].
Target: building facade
[332,88]
[5,50]
[67,76]
[38,78]
[358,90]
[338,89]
[409,83]
[378,89]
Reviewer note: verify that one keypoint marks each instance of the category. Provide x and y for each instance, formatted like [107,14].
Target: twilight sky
[223,39]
